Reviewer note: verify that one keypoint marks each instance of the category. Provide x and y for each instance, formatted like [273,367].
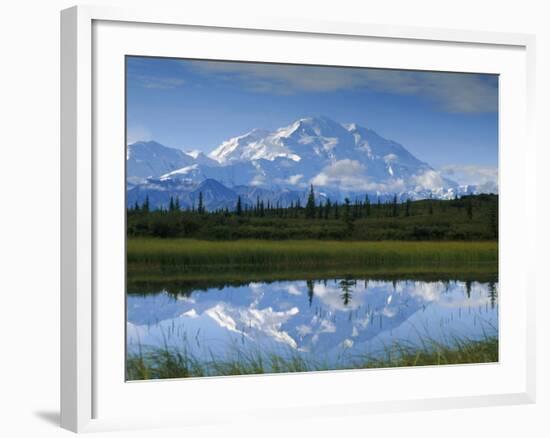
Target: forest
[468,218]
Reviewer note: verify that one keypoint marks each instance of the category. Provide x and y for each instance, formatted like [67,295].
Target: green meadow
[191,254]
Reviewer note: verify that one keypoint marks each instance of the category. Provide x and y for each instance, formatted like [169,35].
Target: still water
[328,321]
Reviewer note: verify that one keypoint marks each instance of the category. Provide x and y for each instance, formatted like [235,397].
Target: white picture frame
[87,403]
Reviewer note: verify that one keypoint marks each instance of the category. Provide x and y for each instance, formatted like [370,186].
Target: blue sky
[449,120]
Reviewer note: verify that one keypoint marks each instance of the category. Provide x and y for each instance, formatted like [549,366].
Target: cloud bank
[485,177]
[452,92]
[352,175]
[158,82]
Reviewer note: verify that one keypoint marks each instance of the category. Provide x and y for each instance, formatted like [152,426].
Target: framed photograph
[253,209]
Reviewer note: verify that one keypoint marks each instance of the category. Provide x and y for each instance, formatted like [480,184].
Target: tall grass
[143,253]
[164,363]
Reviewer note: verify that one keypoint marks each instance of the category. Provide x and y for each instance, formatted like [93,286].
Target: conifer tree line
[312,210]
[320,209]
[363,217]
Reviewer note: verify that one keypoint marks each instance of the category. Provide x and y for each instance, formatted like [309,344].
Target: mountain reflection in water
[331,321]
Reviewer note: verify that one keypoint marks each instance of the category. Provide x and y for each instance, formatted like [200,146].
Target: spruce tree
[239,208]
[355,209]
[310,291]
[493,220]
[348,218]
[201,209]
[493,294]
[310,205]
[367,205]
[469,209]
[327,209]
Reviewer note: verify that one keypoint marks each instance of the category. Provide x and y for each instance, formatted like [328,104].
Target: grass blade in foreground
[164,363]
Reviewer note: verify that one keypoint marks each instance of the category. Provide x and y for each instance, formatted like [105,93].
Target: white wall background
[29,219]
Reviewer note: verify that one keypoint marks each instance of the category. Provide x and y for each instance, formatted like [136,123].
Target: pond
[331,322]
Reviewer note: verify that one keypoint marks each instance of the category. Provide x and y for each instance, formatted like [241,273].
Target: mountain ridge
[338,160]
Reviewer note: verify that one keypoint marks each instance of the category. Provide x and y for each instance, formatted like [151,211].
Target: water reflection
[328,320]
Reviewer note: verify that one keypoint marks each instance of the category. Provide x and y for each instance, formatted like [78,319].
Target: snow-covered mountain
[149,159]
[336,320]
[339,160]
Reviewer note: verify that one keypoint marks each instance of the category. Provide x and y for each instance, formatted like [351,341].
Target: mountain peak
[145,159]
[321,122]
[210,183]
[339,160]
[151,144]
[312,138]
[316,120]
[230,148]
[321,126]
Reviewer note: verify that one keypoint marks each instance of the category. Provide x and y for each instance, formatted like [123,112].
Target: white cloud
[352,175]
[453,92]
[158,82]
[344,173]
[429,180]
[293,290]
[258,180]
[428,292]
[295,179]
[303,330]
[486,177]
